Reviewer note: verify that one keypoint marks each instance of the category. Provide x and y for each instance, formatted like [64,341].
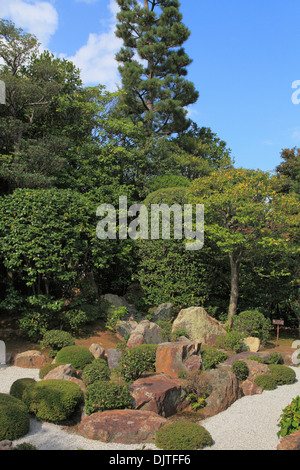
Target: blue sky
[246,57]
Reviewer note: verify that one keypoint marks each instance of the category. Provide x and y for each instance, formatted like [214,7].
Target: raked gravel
[249,424]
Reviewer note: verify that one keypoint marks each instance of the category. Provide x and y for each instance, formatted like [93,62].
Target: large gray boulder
[199,325]
[163,312]
[146,333]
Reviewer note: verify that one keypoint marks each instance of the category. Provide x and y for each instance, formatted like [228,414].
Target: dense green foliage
[101,396]
[52,400]
[182,435]
[65,149]
[14,418]
[240,369]
[137,360]
[56,340]
[211,357]
[253,323]
[290,418]
[95,371]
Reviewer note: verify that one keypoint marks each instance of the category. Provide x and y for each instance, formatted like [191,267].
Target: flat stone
[122,426]
[30,360]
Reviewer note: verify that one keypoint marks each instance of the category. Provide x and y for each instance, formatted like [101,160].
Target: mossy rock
[14,418]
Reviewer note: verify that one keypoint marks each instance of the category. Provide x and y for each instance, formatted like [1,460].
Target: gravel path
[249,424]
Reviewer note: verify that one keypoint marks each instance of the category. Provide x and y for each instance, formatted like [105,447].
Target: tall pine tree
[153,65]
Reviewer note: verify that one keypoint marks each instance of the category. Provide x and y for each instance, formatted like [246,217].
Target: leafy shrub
[240,369]
[253,323]
[275,358]
[180,332]
[14,418]
[182,435]
[232,341]
[290,418]
[95,371]
[101,396]
[18,387]
[25,446]
[266,381]
[56,340]
[114,316]
[77,356]
[256,358]
[137,360]
[211,357]
[282,374]
[52,400]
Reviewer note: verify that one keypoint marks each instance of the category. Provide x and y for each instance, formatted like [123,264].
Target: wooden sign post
[278,323]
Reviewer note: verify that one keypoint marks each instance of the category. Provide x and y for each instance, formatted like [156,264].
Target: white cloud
[37,17]
[96,59]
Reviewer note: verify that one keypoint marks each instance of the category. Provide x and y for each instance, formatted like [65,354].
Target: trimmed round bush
[18,387]
[95,371]
[77,356]
[101,396]
[182,435]
[282,374]
[56,340]
[266,381]
[240,369]
[52,400]
[253,323]
[14,418]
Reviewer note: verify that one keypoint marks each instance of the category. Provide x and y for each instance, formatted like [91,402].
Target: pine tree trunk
[234,293]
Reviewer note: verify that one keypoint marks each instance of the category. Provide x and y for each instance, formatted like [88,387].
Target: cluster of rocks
[161,395]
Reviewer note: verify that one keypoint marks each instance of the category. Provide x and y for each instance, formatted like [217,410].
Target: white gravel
[249,424]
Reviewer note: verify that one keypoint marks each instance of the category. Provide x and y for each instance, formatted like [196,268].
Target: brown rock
[6,445]
[172,358]
[61,372]
[223,388]
[30,360]
[122,426]
[291,442]
[158,393]
[256,368]
[250,388]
